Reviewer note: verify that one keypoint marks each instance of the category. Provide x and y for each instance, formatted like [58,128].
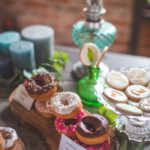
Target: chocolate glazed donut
[92,130]
[41,86]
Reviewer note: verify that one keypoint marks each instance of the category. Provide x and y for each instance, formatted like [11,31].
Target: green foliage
[54,65]
[90,55]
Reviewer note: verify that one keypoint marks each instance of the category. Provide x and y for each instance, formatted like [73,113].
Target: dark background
[131,17]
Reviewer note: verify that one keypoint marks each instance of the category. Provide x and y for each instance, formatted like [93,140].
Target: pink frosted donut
[103,146]
[68,126]
[43,110]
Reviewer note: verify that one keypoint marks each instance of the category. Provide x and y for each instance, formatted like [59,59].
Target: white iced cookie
[117,80]
[89,54]
[9,135]
[66,104]
[136,104]
[128,109]
[137,92]
[115,95]
[144,104]
[138,76]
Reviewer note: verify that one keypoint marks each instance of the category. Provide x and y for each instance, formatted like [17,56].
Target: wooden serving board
[44,126]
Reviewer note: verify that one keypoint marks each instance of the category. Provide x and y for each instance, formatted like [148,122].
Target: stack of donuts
[41,88]
[90,131]
[67,108]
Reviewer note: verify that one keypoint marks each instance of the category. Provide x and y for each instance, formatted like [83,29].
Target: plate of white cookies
[127,92]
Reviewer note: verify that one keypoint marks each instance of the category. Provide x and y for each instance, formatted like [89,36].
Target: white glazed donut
[115,95]
[65,104]
[9,135]
[138,76]
[137,92]
[144,104]
[117,80]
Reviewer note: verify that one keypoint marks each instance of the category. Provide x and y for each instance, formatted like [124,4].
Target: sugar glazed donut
[92,130]
[43,110]
[68,126]
[9,139]
[65,105]
[41,86]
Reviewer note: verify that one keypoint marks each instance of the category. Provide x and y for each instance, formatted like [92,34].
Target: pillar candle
[7,38]
[6,69]
[43,39]
[22,54]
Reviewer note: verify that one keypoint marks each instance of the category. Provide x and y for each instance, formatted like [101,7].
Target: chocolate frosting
[92,126]
[40,83]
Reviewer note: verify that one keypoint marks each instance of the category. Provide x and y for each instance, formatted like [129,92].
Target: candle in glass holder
[6,69]
[22,53]
[7,38]
[43,38]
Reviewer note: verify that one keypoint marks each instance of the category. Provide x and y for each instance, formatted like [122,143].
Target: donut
[41,86]
[9,139]
[138,76]
[115,96]
[128,109]
[92,130]
[103,146]
[65,105]
[144,104]
[117,80]
[68,126]
[43,110]
[137,92]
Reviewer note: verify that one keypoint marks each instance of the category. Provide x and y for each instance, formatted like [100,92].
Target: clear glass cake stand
[136,127]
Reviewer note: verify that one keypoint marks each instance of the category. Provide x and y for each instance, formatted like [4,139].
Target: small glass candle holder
[86,87]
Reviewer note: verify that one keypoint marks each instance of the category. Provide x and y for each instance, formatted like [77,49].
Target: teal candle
[7,38]
[22,54]
[43,39]
[6,69]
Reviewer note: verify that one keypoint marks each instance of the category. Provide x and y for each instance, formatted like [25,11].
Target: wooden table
[31,138]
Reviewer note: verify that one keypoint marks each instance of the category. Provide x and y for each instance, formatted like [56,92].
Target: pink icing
[70,129]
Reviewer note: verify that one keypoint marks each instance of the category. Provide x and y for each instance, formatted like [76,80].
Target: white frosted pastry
[65,102]
[144,104]
[89,54]
[137,92]
[138,76]
[117,80]
[128,109]
[115,95]
[9,135]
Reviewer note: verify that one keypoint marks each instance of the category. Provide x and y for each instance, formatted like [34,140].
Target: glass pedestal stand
[136,129]
[86,87]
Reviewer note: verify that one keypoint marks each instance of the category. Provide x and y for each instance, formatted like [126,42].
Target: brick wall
[62,14]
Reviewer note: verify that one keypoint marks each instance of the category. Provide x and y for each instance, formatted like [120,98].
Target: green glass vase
[86,87]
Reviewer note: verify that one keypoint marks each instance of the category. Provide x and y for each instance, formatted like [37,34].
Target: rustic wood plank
[44,126]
